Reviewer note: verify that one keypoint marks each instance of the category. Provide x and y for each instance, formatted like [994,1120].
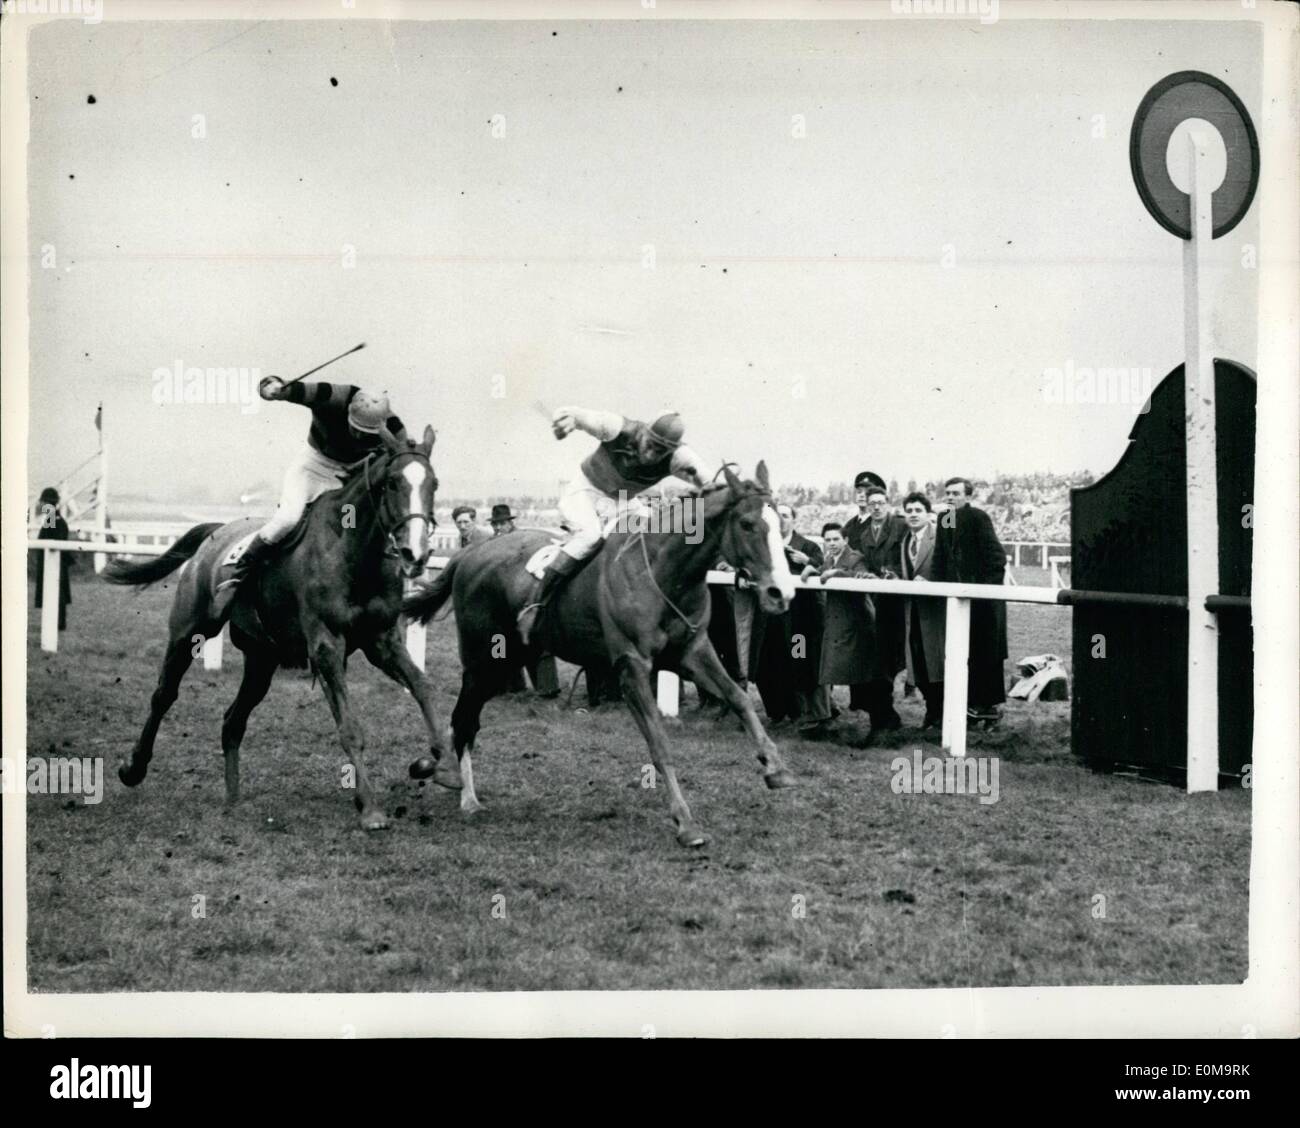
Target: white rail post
[212,648]
[1202,485]
[1016,546]
[50,595]
[956,652]
[669,691]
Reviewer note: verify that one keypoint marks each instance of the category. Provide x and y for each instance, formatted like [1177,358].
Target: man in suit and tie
[876,534]
[967,551]
[847,650]
[502,520]
[464,518]
[924,620]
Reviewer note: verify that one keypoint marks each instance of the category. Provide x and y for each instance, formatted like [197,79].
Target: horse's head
[404,500]
[751,540]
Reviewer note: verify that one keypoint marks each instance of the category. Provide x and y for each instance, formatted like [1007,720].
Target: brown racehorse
[338,588]
[641,605]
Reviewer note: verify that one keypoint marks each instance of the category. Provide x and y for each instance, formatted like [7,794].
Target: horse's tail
[424,603]
[147,571]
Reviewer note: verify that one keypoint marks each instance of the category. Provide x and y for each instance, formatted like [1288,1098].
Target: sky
[833,246]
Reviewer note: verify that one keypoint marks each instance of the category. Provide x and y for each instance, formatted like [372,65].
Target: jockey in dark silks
[345,428]
[631,458]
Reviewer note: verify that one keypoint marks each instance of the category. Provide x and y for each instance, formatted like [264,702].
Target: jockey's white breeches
[585,510]
[308,476]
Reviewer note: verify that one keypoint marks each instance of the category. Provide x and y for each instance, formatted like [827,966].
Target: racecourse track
[578,859]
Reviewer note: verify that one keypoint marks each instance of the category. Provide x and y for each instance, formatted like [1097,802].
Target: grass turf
[570,878]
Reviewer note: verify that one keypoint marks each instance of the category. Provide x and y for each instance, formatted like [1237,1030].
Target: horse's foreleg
[327,660]
[704,665]
[634,677]
[180,653]
[259,669]
[387,653]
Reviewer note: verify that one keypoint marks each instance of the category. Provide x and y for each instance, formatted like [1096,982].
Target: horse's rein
[762,496]
[650,573]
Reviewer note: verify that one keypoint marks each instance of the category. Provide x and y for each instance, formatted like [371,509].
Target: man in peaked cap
[631,457]
[875,534]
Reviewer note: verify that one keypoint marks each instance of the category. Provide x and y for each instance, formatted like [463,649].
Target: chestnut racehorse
[641,605]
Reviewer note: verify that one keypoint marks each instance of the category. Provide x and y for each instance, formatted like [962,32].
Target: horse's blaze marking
[414,475]
[780,569]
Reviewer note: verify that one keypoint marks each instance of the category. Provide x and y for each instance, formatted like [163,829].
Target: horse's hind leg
[259,669]
[464,730]
[180,653]
[706,667]
[634,676]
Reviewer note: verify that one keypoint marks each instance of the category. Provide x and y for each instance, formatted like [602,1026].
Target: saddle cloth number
[541,559]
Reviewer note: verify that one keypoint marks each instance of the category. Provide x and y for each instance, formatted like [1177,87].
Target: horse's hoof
[470,810]
[375,820]
[691,836]
[129,775]
[423,768]
[783,778]
[446,772]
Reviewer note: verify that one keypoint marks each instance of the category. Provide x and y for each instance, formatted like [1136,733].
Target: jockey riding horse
[345,428]
[632,457]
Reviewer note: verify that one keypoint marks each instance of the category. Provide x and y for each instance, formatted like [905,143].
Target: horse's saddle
[282,546]
[537,563]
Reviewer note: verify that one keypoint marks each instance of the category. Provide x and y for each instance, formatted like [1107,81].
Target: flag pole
[101,490]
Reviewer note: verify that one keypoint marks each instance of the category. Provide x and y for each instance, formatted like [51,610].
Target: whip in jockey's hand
[346,422]
[271,388]
[632,457]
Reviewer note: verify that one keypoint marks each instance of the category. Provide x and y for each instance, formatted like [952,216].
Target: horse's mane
[714,490]
[378,461]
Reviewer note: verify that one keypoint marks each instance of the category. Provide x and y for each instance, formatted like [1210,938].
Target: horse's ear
[427,444]
[733,483]
[390,441]
[760,476]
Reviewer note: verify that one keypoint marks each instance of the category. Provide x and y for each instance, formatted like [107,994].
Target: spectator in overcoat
[847,650]
[53,527]
[967,551]
[924,620]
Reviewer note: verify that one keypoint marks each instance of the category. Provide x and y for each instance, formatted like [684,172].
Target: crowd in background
[1023,507]
[838,638]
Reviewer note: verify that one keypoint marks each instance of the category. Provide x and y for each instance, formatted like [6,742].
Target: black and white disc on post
[1169,103]
[1198,215]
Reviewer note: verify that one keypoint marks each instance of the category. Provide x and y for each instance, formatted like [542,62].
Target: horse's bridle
[763,497]
[391,548]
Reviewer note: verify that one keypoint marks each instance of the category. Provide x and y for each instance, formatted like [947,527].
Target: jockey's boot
[557,571]
[253,555]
